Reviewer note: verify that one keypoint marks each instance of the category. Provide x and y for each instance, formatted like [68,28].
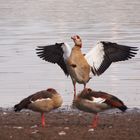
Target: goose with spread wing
[78,65]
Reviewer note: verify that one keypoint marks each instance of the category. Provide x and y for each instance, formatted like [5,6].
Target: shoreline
[70,124]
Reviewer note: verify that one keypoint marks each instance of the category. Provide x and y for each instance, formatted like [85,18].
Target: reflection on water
[27,24]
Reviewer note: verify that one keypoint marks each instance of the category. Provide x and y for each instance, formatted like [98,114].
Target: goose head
[77,40]
[86,94]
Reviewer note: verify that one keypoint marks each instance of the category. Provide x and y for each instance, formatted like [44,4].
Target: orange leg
[43,119]
[95,121]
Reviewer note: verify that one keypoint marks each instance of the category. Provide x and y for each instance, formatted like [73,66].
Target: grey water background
[26,24]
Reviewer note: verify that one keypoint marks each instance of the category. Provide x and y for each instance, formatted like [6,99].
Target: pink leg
[84,86]
[74,84]
[43,119]
[95,121]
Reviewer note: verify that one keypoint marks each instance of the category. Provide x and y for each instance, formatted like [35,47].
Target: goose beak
[73,37]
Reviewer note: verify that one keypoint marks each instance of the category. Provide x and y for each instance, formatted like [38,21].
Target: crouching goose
[97,101]
[78,66]
[42,101]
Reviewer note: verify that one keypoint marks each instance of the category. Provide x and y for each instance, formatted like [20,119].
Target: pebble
[66,120]
[110,127]
[4,113]
[18,127]
[91,130]
[62,133]
[71,114]
[34,126]
[35,131]
[80,114]
[66,128]
[129,119]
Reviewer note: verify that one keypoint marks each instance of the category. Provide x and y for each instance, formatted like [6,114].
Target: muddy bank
[70,125]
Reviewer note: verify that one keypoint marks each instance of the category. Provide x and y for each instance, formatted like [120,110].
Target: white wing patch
[95,56]
[40,100]
[67,50]
[98,100]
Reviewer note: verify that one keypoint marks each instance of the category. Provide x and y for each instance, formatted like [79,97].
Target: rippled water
[27,24]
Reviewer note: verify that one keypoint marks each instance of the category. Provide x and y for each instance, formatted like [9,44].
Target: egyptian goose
[97,101]
[74,63]
[42,101]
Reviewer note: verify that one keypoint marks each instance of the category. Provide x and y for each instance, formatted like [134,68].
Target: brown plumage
[97,101]
[42,101]
[77,65]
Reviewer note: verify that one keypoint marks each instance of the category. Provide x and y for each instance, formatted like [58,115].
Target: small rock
[34,126]
[80,114]
[18,127]
[129,119]
[66,120]
[35,131]
[71,114]
[4,113]
[11,137]
[62,133]
[66,128]
[110,127]
[91,130]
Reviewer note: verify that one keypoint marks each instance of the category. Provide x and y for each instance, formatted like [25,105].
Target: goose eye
[77,37]
[89,89]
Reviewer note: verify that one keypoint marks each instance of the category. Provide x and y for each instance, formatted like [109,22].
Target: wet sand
[69,125]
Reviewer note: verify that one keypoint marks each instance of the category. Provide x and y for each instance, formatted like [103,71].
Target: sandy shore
[69,125]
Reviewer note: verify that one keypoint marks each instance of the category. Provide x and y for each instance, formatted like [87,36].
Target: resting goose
[97,101]
[42,101]
[74,63]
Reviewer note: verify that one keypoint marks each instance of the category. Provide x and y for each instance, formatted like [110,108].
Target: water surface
[27,24]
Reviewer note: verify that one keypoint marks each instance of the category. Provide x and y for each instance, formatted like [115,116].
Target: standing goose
[42,101]
[78,66]
[97,101]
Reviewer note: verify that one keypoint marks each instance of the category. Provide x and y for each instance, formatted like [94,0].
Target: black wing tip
[123,108]
[40,48]
[17,108]
[134,49]
[132,52]
[131,48]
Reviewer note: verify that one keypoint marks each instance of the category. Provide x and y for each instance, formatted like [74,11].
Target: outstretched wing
[56,53]
[104,53]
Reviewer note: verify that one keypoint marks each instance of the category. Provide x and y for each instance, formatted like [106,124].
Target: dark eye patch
[77,36]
